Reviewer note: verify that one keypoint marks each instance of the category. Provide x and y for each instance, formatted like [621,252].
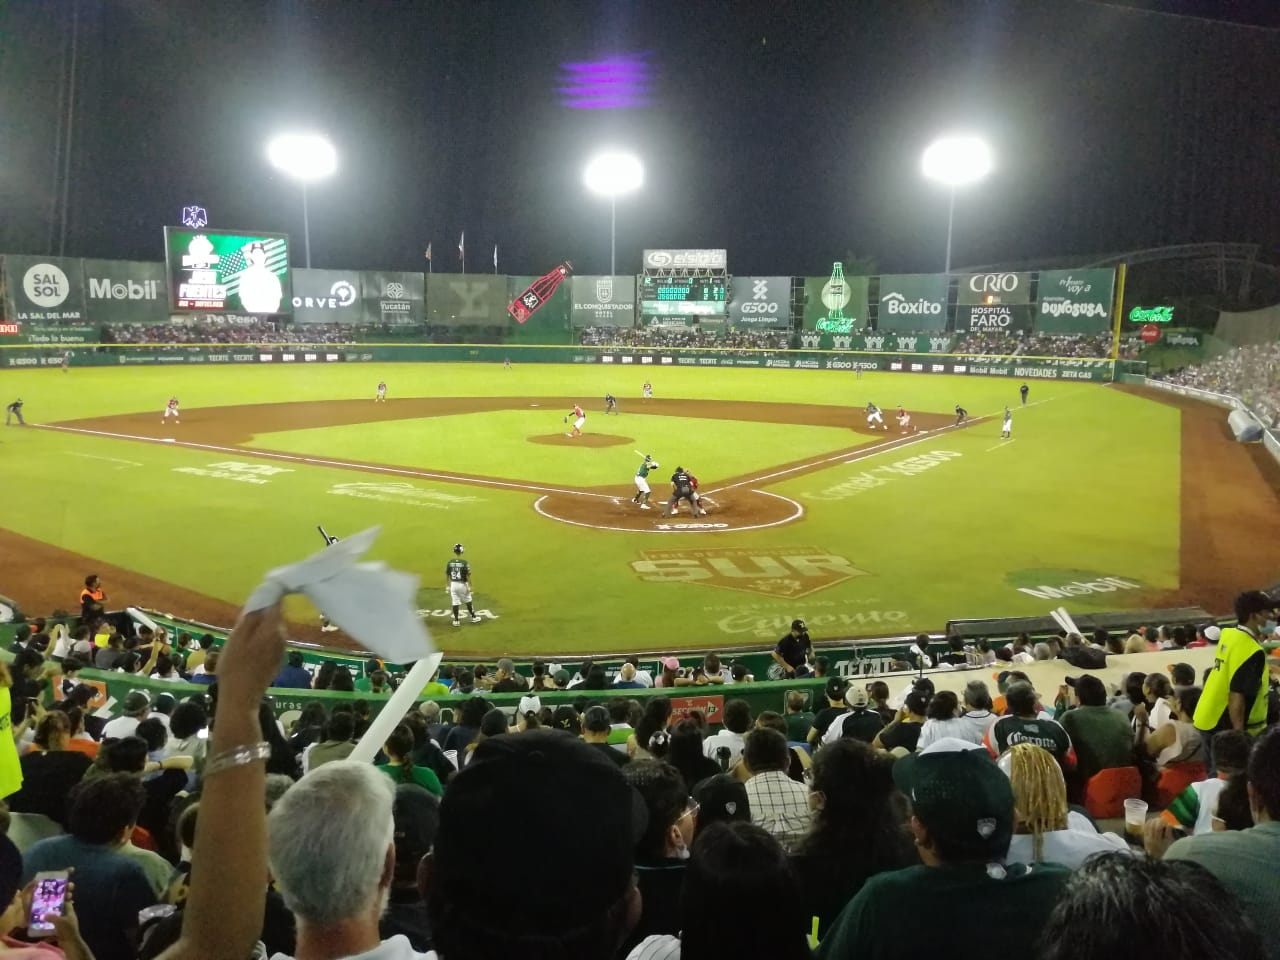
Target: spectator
[293,675]
[92,598]
[110,887]
[526,715]
[858,829]
[941,720]
[416,819]
[1232,810]
[324,675]
[1025,725]
[1176,740]
[878,691]
[1045,830]
[309,727]
[137,706]
[662,853]
[1182,675]
[1235,692]
[778,804]
[737,721]
[197,656]
[834,692]
[799,717]
[507,680]
[110,656]
[337,743]
[794,651]
[79,740]
[566,719]
[627,678]
[722,797]
[596,729]
[800,759]
[207,672]
[657,711]
[167,669]
[15,916]
[860,723]
[49,770]
[434,688]
[365,683]
[1115,904]
[735,864]
[1099,735]
[978,716]
[400,766]
[1246,862]
[962,819]
[467,728]
[903,735]
[670,672]
[186,725]
[1193,809]
[1155,710]
[738,674]
[282,759]
[342,680]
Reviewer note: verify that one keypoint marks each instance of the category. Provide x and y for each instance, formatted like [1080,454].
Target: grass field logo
[395,491]
[771,571]
[1063,584]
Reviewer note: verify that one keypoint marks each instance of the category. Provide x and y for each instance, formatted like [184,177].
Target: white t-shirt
[395,948]
[1070,847]
[725,738]
[937,729]
[660,946]
[61,642]
[978,722]
[120,727]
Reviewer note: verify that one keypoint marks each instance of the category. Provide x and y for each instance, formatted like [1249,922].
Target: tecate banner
[913,301]
[993,318]
[395,299]
[467,299]
[600,301]
[43,289]
[1075,301]
[125,291]
[995,288]
[688,259]
[327,296]
[760,302]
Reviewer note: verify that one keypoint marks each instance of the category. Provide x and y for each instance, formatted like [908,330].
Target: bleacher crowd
[1070,345]
[879,825]
[659,337]
[229,329]
[1251,373]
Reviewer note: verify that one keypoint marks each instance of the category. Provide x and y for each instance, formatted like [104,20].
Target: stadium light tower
[611,174]
[956,161]
[306,157]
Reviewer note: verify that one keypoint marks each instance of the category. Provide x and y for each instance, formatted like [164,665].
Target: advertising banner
[44,289]
[877,342]
[823,295]
[125,291]
[912,301]
[1075,301]
[600,301]
[549,324]
[222,271]
[57,334]
[995,288]
[686,259]
[760,302]
[467,299]
[327,296]
[398,299]
[994,318]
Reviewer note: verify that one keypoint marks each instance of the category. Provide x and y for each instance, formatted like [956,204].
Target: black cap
[835,688]
[721,797]
[564,789]
[457,548]
[417,820]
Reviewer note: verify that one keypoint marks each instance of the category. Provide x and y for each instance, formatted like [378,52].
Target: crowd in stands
[1251,373]
[197,826]
[1071,345]
[664,337]
[229,329]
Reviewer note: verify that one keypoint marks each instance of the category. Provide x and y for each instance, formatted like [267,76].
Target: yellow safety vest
[10,767]
[1235,646]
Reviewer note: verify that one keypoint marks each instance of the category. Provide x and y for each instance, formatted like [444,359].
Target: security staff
[1235,692]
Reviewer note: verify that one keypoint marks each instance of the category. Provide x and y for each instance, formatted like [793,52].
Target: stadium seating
[1107,790]
[1175,778]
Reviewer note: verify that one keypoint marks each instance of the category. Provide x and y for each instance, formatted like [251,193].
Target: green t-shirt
[435,689]
[798,725]
[925,911]
[424,777]
[1101,737]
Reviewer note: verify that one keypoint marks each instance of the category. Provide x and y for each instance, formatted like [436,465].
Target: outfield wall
[1270,439]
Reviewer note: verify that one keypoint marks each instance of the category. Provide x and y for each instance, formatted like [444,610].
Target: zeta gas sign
[1151,315]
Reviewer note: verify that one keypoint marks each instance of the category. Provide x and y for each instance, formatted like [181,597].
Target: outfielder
[458,582]
[642,482]
[579,418]
[647,390]
[875,417]
[1006,430]
[381,396]
[171,411]
[682,489]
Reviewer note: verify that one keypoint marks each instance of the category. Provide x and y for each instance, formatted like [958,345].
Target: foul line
[691,528]
[342,464]
[93,456]
[1002,443]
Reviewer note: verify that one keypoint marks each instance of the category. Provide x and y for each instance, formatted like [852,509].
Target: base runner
[171,411]
[904,421]
[458,583]
[579,418]
[1006,430]
[642,482]
[381,396]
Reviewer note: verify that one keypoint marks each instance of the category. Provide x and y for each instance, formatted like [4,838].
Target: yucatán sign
[44,289]
[760,302]
[395,299]
[915,302]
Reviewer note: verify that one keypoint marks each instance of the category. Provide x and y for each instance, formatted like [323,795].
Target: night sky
[787,132]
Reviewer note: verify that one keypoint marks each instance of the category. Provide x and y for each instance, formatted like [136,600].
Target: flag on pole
[495,258]
[428,253]
[462,245]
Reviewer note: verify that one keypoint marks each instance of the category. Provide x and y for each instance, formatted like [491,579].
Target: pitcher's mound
[586,440]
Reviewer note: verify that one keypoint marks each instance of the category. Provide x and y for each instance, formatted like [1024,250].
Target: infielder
[1006,431]
[381,396]
[875,417]
[642,482]
[682,489]
[611,405]
[171,411]
[647,390]
[961,414]
[579,418]
[458,582]
[14,410]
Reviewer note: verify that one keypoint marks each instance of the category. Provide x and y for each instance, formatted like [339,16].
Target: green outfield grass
[950,526]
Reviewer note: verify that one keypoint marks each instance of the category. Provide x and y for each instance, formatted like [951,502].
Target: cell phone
[49,899]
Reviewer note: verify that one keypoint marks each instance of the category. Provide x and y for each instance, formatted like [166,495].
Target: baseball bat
[639,454]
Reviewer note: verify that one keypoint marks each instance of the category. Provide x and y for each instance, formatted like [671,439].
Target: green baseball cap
[959,794]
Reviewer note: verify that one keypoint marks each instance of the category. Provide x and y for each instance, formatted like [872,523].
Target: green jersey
[458,571]
[645,468]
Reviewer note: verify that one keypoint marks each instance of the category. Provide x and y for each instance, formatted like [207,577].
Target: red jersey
[577,411]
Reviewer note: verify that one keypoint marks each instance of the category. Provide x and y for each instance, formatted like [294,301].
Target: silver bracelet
[237,757]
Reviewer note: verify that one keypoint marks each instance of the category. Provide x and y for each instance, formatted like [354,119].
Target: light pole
[306,157]
[956,161]
[610,174]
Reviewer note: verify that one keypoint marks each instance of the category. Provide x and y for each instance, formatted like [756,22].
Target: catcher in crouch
[682,489]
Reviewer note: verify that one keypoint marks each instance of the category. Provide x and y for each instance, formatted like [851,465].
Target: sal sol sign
[770,571]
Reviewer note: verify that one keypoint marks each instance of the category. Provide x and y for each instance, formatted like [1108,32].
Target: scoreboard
[683,296]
